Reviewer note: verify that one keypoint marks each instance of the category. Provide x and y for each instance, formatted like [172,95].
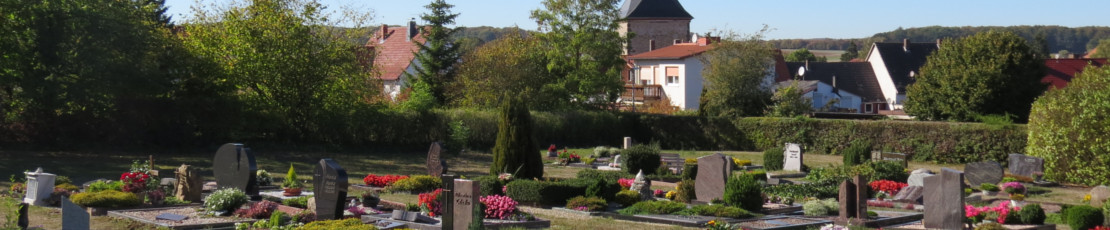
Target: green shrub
[887,170]
[516,151]
[1032,214]
[627,198]
[416,184]
[657,207]
[351,224]
[613,151]
[745,192]
[640,157]
[1083,217]
[227,199]
[821,207]
[105,185]
[598,174]
[690,171]
[546,192]
[299,202]
[106,199]
[718,211]
[601,151]
[459,137]
[603,188]
[799,191]
[988,187]
[1073,144]
[758,174]
[772,159]
[591,203]
[685,192]
[858,152]
[489,185]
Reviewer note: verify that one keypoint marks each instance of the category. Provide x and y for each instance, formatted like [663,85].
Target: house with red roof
[674,73]
[1061,71]
[395,49]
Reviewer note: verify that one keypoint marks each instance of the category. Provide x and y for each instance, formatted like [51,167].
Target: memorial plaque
[73,216]
[329,182]
[170,217]
[466,194]
[944,200]
[983,172]
[1025,165]
[40,186]
[792,157]
[713,172]
[435,163]
[234,167]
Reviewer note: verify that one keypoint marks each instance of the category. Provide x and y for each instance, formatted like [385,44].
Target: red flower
[134,181]
[382,181]
[430,201]
[890,187]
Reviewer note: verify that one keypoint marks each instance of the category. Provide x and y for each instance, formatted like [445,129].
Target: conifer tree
[515,150]
[438,53]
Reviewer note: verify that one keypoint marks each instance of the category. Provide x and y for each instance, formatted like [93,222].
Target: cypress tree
[516,151]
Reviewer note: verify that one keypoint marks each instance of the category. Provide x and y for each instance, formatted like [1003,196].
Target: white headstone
[792,157]
[917,177]
[627,142]
[39,187]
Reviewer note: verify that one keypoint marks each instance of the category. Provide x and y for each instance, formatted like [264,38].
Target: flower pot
[292,192]
[371,202]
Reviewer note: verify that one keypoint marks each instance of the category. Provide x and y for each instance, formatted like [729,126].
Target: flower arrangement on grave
[225,200]
[670,195]
[659,193]
[1013,188]
[880,195]
[19,188]
[996,213]
[291,185]
[551,148]
[719,225]
[625,183]
[430,202]
[264,178]
[498,206]
[505,177]
[260,210]
[134,182]
[567,157]
[370,199]
[383,180]
[888,186]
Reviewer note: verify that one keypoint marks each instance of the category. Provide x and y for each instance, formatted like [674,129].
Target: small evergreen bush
[745,192]
[598,174]
[299,202]
[350,224]
[601,151]
[613,151]
[515,150]
[657,207]
[545,192]
[685,192]
[690,171]
[718,211]
[106,199]
[641,157]
[416,184]
[1083,217]
[1032,214]
[489,185]
[627,198]
[857,153]
[772,159]
[589,203]
[814,208]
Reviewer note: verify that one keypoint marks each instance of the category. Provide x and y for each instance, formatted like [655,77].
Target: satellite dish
[913,74]
[802,71]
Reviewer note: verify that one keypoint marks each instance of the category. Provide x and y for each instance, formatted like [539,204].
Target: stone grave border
[906,226]
[576,212]
[664,219]
[816,222]
[486,224]
[118,214]
[776,211]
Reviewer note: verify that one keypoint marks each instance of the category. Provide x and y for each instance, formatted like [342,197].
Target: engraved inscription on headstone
[792,157]
[1025,165]
[466,194]
[330,189]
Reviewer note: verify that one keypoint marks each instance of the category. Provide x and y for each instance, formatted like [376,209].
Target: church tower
[654,24]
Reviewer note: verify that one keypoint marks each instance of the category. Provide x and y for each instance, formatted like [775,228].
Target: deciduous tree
[789,101]
[515,63]
[736,74]
[991,73]
[583,48]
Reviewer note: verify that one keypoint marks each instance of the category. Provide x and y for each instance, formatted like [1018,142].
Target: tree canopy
[735,75]
[437,58]
[991,73]
[583,48]
[802,55]
[515,63]
[1067,127]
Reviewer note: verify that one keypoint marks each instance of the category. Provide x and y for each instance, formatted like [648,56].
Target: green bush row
[106,199]
[546,192]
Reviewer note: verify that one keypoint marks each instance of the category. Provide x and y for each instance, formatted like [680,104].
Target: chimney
[384,31]
[834,81]
[651,45]
[906,44]
[412,30]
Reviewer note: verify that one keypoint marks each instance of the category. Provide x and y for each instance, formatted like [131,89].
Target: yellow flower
[1087,198]
[670,195]
[711,223]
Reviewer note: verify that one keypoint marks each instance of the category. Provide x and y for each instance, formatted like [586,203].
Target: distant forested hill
[1075,40]
[472,37]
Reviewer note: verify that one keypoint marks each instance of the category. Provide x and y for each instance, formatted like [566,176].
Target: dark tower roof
[644,9]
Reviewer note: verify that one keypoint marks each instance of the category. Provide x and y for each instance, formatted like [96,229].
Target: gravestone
[792,157]
[40,186]
[983,172]
[885,156]
[847,201]
[1099,194]
[909,194]
[447,209]
[616,161]
[329,182]
[466,193]
[234,167]
[642,185]
[853,201]
[24,220]
[917,177]
[73,216]
[627,142]
[944,200]
[713,172]
[1025,165]
[189,184]
[436,165]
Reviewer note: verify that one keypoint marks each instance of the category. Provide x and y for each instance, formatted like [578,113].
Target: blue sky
[787,18]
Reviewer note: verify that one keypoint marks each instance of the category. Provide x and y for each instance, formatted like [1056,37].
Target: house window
[867,108]
[672,76]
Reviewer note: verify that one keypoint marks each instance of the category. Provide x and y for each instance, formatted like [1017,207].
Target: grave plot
[464,203]
[189,217]
[781,222]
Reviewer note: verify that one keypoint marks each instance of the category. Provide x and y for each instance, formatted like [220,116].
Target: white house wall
[693,82]
[886,83]
[824,94]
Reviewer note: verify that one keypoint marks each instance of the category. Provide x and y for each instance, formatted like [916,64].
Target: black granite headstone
[329,182]
[234,167]
[1025,165]
[989,172]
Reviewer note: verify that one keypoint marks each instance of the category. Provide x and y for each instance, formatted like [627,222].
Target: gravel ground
[194,216]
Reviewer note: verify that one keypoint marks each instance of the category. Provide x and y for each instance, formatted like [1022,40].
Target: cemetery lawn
[86,166]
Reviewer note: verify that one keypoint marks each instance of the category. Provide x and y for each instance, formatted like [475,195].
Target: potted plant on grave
[989,189]
[291,185]
[880,195]
[551,151]
[369,199]
[1038,176]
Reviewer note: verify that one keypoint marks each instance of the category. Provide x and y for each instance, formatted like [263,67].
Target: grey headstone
[1025,165]
[330,189]
[1099,194]
[627,142]
[234,167]
[792,157]
[642,185]
[40,185]
[944,199]
[713,172]
[909,194]
[435,163]
[189,185]
[917,177]
[983,172]
[170,217]
[73,216]
[466,193]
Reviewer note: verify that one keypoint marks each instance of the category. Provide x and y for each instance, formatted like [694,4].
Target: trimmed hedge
[641,157]
[546,192]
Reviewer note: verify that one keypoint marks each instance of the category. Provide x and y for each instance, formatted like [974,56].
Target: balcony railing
[640,93]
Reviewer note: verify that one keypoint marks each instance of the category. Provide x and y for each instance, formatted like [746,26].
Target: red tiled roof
[676,51]
[1061,71]
[395,54]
